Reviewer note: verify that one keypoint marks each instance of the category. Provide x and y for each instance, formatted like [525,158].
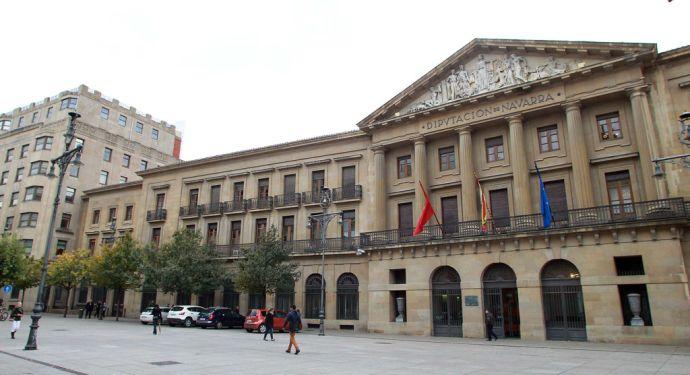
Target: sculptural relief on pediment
[488,73]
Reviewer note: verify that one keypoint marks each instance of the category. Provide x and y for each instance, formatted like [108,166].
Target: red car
[256,318]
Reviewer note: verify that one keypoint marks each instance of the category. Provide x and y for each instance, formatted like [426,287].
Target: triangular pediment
[487,65]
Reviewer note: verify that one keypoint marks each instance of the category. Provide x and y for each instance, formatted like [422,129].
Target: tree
[266,269]
[184,265]
[69,270]
[12,259]
[31,277]
[119,267]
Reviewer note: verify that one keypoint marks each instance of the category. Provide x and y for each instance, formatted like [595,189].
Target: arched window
[348,297]
[312,296]
[564,310]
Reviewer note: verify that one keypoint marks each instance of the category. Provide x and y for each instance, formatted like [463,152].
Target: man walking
[489,319]
[98,310]
[269,324]
[16,318]
[89,309]
[293,323]
[104,307]
[157,318]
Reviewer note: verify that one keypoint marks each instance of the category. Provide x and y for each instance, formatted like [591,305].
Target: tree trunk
[64,315]
[117,305]
[23,293]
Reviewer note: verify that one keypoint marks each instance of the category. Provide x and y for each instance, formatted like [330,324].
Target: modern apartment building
[592,116]
[118,141]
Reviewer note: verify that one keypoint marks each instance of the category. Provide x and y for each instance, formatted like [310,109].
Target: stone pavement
[73,346]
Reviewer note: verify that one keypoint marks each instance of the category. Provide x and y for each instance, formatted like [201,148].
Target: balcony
[287,200]
[236,205]
[641,212]
[191,211]
[333,245]
[311,197]
[213,208]
[264,203]
[156,215]
[347,193]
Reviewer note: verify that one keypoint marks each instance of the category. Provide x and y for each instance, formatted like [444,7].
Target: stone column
[420,167]
[379,210]
[647,144]
[518,160]
[579,157]
[467,178]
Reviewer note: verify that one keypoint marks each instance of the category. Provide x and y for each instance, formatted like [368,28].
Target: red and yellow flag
[485,207]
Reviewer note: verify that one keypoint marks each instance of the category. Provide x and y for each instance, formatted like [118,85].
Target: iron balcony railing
[347,192]
[663,209]
[156,215]
[285,200]
[235,205]
[311,197]
[259,203]
[332,245]
[192,210]
[213,208]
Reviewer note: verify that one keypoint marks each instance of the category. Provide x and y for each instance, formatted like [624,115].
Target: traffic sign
[7,289]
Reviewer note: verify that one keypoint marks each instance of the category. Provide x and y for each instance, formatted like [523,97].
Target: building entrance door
[564,312]
[501,299]
[446,300]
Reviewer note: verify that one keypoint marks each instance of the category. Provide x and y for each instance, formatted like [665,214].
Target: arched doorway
[312,296]
[564,311]
[446,302]
[347,292]
[501,298]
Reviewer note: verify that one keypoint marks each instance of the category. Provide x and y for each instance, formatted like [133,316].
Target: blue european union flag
[544,201]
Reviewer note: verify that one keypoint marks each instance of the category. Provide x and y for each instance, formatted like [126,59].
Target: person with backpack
[157,318]
[269,323]
[293,323]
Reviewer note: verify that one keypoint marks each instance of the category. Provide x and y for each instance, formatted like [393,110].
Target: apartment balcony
[236,205]
[191,211]
[156,215]
[287,200]
[213,209]
[347,193]
[332,245]
[602,216]
[311,197]
[254,204]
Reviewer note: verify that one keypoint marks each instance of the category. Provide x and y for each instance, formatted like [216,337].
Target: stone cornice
[126,185]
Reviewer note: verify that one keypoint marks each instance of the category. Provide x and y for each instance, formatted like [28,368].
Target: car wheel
[188,322]
[262,328]
[219,325]
[144,323]
[203,327]
[249,330]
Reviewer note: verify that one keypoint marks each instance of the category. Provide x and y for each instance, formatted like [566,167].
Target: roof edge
[102,189]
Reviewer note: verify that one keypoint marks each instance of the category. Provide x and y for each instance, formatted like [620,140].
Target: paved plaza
[74,346]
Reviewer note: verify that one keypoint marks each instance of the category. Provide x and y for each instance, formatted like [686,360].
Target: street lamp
[684,138]
[69,157]
[323,219]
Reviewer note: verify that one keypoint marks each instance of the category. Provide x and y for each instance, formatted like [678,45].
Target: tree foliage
[69,270]
[184,265]
[31,277]
[266,269]
[13,262]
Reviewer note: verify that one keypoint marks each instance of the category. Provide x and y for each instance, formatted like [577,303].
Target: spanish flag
[485,207]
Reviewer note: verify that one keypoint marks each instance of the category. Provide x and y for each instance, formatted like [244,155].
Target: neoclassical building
[593,117]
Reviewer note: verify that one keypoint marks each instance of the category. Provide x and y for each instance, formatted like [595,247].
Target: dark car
[220,317]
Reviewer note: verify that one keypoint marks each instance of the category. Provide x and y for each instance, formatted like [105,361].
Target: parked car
[184,314]
[146,317]
[257,317]
[220,317]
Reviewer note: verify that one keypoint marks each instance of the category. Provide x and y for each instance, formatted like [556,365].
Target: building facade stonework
[591,116]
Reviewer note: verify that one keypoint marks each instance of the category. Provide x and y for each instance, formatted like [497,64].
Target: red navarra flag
[427,213]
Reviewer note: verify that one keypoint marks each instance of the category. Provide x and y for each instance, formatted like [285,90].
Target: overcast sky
[244,74]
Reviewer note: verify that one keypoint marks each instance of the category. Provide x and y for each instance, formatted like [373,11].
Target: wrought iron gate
[447,311]
[564,312]
[494,303]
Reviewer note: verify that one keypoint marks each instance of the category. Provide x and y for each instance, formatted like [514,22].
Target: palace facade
[592,116]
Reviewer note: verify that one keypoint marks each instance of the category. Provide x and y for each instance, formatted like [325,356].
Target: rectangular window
[348,227]
[154,134]
[139,127]
[60,247]
[238,191]
[38,167]
[629,265]
[318,181]
[21,122]
[125,160]
[70,103]
[49,112]
[2,198]
[215,194]
[65,221]
[288,230]
[609,126]
[105,113]
[620,193]
[92,245]
[14,199]
[9,221]
[44,143]
[191,227]
[193,197]
[494,149]
[28,220]
[103,178]
[555,191]
[122,120]
[74,171]
[20,175]
[5,124]
[107,154]
[34,117]
[289,182]
[160,201]
[211,233]
[156,236]
[112,214]
[28,246]
[129,211]
[498,201]
[33,193]
[123,179]
[70,193]
[5,178]
[449,214]
[260,230]
[446,158]
[263,188]
[96,216]
[404,166]
[397,276]
[24,152]
[405,224]
[9,155]
[235,232]
[143,165]
[548,139]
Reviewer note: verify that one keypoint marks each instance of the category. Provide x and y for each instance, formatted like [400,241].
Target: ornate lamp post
[323,219]
[684,137]
[63,161]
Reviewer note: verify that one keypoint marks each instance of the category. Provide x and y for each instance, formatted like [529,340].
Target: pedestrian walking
[293,322]
[97,310]
[104,307]
[269,324]
[16,318]
[89,309]
[489,319]
[157,318]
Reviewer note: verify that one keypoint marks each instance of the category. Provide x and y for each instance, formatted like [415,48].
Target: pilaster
[579,157]
[378,213]
[420,175]
[518,161]
[467,178]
